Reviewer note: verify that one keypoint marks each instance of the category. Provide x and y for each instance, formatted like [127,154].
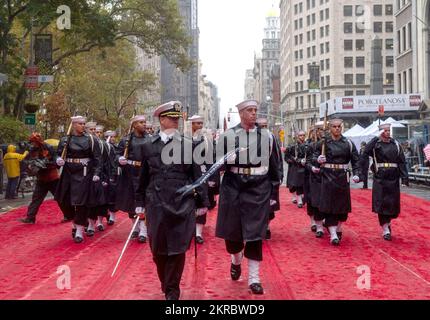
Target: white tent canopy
[371,131]
[354,130]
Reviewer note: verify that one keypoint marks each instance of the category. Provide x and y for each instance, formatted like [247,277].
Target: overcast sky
[230,32]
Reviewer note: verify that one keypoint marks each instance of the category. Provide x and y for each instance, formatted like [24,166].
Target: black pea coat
[335,195]
[128,180]
[244,202]
[170,219]
[76,181]
[386,186]
[296,172]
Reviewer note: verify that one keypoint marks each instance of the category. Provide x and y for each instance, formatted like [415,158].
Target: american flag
[427,152]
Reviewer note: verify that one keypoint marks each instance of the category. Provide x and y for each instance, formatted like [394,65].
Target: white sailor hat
[110,133]
[384,126]
[148,125]
[171,109]
[78,119]
[90,124]
[336,121]
[139,117]
[319,124]
[99,128]
[261,121]
[246,104]
[196,118]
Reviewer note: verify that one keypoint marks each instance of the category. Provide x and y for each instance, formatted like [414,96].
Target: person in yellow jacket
[11,162]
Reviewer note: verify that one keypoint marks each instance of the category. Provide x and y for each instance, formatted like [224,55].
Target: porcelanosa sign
[370,104]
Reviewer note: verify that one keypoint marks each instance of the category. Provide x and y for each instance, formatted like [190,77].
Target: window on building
[308,36]
[297,102]
[321,15]
[314,51]
[301,102]
[360,78]
[308,4]
[347,27]
[359,10]
[389,61]
[327,96]
[322,48]
[301,23]
[327,47]
[327,81]
[390,91]
[297,86]
[347,11]
[301,70]
[308,20]
[308,52]
[348,62]
[322,65]
[296,8]
[322,82]
[314,36]
[322,32]
[349,78]
[359,27]
[389,78]
[296,71]
[327,30]
[359,44]
[410,35]
[327,14]
[410,81]
[361,92]
[301,85]
[377,10]
[389,26]
[296,24]
[296,40]
[377,27]
[404,38]
[389,44]
[399,42]
[327,64]
[348,93]
[399,82]
[347,44]
[359,62]
[313,3]
[388,9]
[313,18]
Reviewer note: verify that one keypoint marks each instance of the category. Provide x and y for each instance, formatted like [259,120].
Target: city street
[33,259]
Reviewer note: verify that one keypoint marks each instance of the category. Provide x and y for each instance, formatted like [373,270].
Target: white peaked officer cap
[171,109]
[78,119]
[196,118]
[246,104]
[139,117]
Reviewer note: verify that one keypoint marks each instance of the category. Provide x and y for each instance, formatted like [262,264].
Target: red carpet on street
[36,259]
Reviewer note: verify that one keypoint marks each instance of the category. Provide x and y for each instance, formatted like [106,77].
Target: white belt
[258,171]
[83,161]
[336,166]
[203,168]
[387,165]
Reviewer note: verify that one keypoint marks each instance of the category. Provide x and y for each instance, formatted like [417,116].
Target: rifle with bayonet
[325,130]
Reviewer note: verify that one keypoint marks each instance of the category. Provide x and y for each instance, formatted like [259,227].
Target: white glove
[322,159]
[315,169]
[104,184]
[201,211]
[96,179]
[60,162]
[139,210]
[303,162]
[122,161]
[211,183]
[356,179]
[272,202]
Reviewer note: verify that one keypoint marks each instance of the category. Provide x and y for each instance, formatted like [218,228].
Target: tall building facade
[326,50]
[249,84]
[176,85]
[269,58]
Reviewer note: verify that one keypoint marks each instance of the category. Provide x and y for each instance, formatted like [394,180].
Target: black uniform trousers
[39,194]
[253,249]
[332,220]
[79,214]
[383,218]
[99,211]
[211,197]
[170,269]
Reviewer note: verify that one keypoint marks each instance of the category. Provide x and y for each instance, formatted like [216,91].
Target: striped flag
[427,152]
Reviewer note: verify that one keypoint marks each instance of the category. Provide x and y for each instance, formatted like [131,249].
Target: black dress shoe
[256,288]
[235,271]
[142,239]
[100,227]
[110,223]
[335,242]
[28,220]
[78,239]
[300,205]
[387,236]
[339,235]
[66,220]
[314,228]
[90,233]
[135,234]
[319,234]
[199,240]
[268,234]
[73,233]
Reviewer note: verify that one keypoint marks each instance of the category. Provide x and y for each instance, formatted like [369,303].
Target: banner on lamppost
[43,56]
[314,78]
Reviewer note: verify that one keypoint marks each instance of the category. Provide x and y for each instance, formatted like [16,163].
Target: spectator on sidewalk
[1,170]
[11,162]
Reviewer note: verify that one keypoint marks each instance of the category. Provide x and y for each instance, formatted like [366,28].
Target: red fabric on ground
[296,264]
